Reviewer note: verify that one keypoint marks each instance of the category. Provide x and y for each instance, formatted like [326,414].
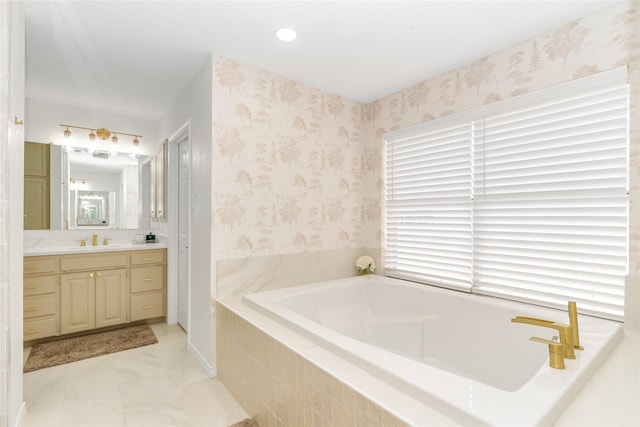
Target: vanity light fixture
[102,134]
[286,34]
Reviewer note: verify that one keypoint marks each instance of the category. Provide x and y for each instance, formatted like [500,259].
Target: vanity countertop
[91,249]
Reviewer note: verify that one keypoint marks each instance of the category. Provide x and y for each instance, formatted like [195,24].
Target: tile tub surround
[290,385]
[241,276]
[610,397]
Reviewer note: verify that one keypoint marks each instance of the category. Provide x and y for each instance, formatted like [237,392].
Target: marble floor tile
[155,385]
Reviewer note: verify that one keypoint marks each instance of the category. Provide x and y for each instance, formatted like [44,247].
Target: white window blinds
[546,214]
[428,204]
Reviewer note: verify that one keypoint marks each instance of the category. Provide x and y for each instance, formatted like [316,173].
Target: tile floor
[156,385]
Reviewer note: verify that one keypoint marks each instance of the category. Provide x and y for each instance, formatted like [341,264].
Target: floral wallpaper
[287,163]
[298,169]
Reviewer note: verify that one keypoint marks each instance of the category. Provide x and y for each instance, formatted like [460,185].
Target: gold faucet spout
[565,331]
[573,321]
[94,241]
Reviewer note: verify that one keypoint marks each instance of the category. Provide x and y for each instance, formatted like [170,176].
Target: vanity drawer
[145,279]
[34,329]
[147,257]
[35,265]
[147,306]
[92,262]
[40,305]
[36,285]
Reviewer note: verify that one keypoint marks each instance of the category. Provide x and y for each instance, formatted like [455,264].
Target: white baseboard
[20,417]
[208,369]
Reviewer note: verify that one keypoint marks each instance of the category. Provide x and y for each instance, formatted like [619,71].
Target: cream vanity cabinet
[80,292]
[148,273]
[40,289]
[93,291]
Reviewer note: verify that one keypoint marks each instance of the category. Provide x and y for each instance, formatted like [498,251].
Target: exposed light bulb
[114,139]
[67,132]
[92,136]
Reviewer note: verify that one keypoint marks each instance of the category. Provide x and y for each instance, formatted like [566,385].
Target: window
[524,199]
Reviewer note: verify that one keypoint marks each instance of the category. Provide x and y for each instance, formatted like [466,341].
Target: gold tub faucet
[565,331]
[573,320]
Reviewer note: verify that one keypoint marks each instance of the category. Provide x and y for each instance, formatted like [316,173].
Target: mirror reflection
[96,189]
[92,207]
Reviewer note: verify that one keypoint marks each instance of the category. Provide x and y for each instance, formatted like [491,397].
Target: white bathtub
[457,353]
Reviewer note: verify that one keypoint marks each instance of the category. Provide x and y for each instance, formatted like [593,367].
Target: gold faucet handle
[105,242]
[556,352]
[573,321]
[83,242]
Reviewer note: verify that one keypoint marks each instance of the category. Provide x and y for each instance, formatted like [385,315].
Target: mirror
[97,189]
[92,207]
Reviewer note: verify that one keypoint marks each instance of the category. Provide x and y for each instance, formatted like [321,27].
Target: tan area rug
[69,350]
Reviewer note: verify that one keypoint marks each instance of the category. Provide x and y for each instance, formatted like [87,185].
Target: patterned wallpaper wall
[297,169]
[287,165]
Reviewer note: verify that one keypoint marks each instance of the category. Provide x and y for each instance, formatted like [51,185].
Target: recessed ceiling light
[286,34]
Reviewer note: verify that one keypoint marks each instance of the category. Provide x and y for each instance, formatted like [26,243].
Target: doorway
[180,145]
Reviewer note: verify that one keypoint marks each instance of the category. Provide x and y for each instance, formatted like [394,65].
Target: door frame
[173,251]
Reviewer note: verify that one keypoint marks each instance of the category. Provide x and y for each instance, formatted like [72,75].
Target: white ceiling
[137,57]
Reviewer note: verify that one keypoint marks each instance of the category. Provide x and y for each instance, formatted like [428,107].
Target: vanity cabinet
[66,294]
[111,297]
[93,291]
[40,305]
[90,300]
[77,302]
[148,273]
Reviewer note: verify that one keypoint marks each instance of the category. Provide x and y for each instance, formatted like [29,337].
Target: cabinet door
[111,297]
[77,302]
[36,203]
[36,158]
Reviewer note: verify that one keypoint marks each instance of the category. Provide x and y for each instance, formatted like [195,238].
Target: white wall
[194,106]
[12,75]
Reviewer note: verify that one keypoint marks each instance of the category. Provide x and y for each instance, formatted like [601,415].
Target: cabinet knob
[147,307]
[98,274]
[90,274]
